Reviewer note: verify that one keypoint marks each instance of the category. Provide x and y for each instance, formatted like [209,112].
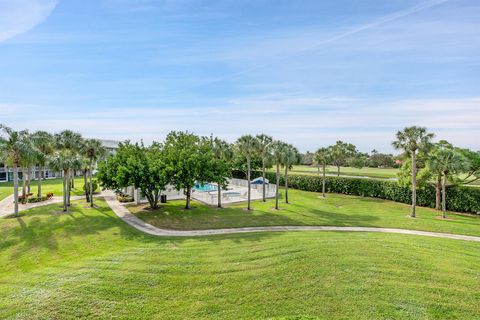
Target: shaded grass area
[307,208]
[89,264]
[48,185]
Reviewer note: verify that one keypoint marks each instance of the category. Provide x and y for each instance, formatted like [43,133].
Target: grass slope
[308,208]
[88,264]
[49,185]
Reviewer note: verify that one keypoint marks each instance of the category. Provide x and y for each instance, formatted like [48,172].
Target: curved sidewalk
[124,214]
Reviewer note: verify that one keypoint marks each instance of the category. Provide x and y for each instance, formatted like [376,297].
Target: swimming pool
[205,187]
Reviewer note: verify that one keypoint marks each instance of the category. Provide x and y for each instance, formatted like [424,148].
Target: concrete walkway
[7,206]
[124,214]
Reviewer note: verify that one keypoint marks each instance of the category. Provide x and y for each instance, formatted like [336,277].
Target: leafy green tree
[411,140]
[189,160]
[277,150]
[247,146]
[222,166]
[290,157]
[341,153]
[94,151]
[263,142]
[43,144]
[13,146]
[136,165]
[323,157]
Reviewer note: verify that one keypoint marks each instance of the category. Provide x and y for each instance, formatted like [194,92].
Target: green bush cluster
[94,186]
[460,199]
[124,198]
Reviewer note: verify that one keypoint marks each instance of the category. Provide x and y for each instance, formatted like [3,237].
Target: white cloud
[19,16]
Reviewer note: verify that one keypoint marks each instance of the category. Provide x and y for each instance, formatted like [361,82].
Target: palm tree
[323,157]
[263,142]
[448,161]
[247,146]
[94,150]
[43,144]
[69,143]
[12,149]
[61,161]
[276,149]
[411,140]
[85,166]
[223,153]
[290,157]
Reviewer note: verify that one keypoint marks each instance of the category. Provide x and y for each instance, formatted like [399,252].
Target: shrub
[124,198]
[28,195]
[37,199]
[49,195]
[94,186]
[459,198]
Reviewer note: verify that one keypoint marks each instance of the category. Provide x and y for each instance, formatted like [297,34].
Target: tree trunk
[248,182]
[338,171]
[65,176]
[69,187]
[15,188]
[219,195]
[24,185]
[438,191]
[85,182]
[318,169]
[323,181]
[187,205]
[72,179]
[414,184]
[444,196]
[263,177]
[286,183]
[29,179]
[278,185]
[91,184]
[39,181]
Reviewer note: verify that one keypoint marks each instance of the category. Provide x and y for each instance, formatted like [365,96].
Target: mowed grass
[307,208]
[89,264]
[48,185]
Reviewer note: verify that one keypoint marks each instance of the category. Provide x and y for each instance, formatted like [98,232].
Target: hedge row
[460,199]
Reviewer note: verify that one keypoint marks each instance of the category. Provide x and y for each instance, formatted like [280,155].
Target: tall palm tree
[223,154]
[43,144]
[448,161]
[276,149]
[69,143]
[290,157]
[263,142]
[322,157]
[94,151]
[13,147]
[61,161]
[411,140]
[247,146]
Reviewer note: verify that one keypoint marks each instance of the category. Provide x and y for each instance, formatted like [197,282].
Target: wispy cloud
[19,16]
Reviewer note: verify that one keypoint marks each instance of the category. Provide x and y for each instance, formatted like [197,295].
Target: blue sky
[308,72]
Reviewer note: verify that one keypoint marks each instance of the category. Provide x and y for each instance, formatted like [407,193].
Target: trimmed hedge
[459,199]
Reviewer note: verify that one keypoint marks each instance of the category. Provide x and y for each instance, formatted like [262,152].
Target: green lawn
[49,185]
[89,264]
[308,208]
[387,173]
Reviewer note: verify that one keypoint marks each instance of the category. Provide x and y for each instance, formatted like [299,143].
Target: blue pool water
[205,187]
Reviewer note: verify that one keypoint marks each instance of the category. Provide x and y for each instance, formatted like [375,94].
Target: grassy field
[347,171]
[49,185]
[89,264]
[308,208]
